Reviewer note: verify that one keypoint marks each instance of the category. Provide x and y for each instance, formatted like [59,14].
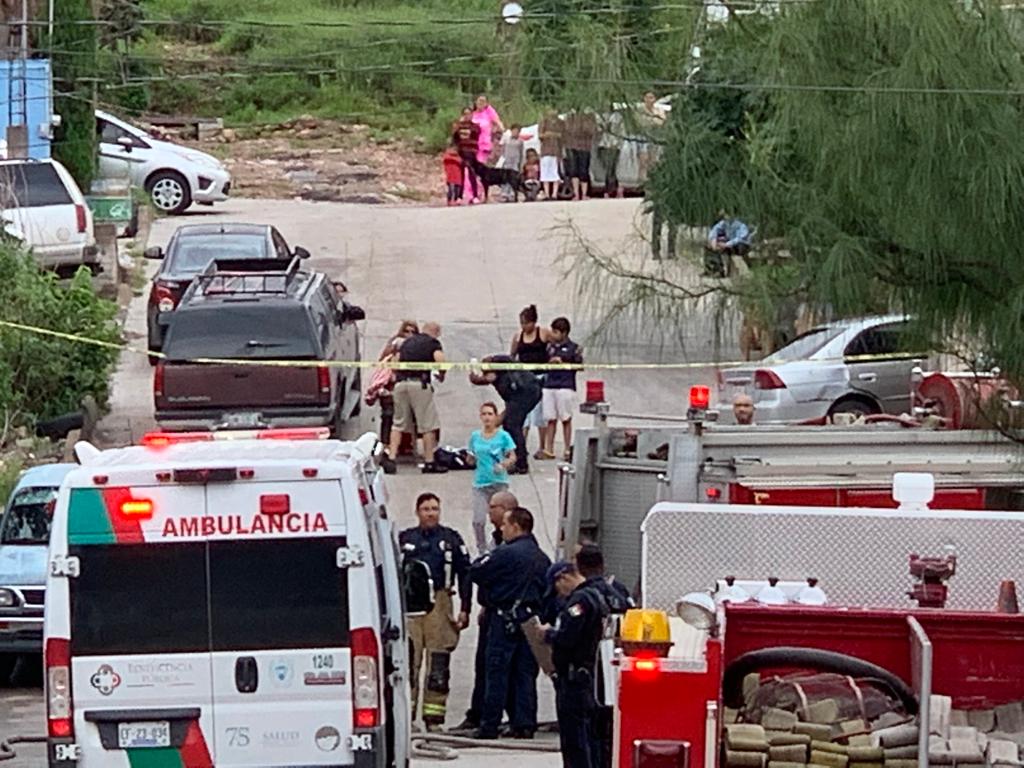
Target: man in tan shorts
[415,412]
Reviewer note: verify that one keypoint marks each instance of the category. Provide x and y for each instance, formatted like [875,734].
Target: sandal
[543,455]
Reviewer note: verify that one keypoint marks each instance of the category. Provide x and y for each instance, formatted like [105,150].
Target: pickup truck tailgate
[182,386]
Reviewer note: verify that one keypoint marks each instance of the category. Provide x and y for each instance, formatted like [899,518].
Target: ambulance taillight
[57,658]
[365,686]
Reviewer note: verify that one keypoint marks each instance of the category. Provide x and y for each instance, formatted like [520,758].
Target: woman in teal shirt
[494,452]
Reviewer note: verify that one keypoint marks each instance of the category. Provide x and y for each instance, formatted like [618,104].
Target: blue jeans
[510,677]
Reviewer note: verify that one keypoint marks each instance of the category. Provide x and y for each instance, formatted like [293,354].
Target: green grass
[399,102]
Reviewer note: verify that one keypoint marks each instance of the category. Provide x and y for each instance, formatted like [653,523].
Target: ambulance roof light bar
[165,439]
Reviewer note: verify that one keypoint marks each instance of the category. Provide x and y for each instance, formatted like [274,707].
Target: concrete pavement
[473,270]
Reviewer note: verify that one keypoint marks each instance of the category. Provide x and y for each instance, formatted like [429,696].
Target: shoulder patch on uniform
[576,610]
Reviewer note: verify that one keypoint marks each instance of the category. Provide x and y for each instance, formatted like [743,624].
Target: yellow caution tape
[448,365]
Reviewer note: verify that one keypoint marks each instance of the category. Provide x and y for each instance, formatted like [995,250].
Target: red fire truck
[771,605]
[625,463]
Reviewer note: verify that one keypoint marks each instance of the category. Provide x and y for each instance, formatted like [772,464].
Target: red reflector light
[163,477]
[142,508]
[323,379]
[310,472]
[366,718]
[275,504]
[100,479]
[308,433]
[595,391]
[714,493]
[766,379]
[364,496]
[646,665]
[60,728]
[80,218]
[247,474]
[700,397]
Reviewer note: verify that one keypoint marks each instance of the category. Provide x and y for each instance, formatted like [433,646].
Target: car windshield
[28,518]
[250,331]
[803,346]
[192,253]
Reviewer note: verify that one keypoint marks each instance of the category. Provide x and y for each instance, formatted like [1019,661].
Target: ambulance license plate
[144,734]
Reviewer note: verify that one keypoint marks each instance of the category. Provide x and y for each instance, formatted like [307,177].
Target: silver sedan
[859,366]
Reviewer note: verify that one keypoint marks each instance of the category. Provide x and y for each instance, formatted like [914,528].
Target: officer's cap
[558,569]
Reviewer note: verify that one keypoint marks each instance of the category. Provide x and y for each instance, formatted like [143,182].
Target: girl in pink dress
[486,116]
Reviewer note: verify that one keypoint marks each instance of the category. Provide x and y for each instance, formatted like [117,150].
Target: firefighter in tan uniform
[435,570]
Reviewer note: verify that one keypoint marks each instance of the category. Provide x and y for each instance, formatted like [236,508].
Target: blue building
[26,98]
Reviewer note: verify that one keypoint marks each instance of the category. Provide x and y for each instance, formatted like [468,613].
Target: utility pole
[17,86]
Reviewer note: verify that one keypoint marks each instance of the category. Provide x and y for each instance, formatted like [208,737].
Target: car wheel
[169,192]
[854,406]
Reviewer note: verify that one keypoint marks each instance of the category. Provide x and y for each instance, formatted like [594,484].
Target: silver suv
[24,536]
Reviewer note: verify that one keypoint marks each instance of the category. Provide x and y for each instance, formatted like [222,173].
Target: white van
[226,599]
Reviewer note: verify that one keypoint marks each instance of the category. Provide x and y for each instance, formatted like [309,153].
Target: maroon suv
[238,314]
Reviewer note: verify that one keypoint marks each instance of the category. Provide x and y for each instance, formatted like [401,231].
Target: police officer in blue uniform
[435,566]
[574,639]
[512,577]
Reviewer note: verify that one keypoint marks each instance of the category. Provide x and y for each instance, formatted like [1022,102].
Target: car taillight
[158,380]
[57,658]
[766,379]
[81,219]
[323,378]
[163,297]
[365,654]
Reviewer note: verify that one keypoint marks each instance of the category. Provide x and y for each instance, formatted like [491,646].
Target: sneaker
[388,465]
[430,468]
[469,724]
[480,733]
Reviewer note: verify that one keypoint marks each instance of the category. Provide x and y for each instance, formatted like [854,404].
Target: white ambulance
[226,599]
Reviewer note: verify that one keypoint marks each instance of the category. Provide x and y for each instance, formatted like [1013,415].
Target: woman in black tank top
[530,345]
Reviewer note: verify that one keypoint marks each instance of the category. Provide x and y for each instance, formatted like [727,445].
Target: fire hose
[440,746]
[7,751]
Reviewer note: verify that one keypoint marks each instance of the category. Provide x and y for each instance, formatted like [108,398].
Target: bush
[44,376]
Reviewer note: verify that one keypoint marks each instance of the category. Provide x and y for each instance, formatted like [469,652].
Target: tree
[74,80]
[877,155]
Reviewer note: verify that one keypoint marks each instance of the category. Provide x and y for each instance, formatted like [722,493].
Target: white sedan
[173,175]
[860,366]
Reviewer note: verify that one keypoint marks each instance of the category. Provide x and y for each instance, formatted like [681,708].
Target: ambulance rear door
[139,637]
[279,623]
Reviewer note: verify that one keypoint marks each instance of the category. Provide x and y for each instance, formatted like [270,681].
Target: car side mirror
[300,252]
[125,143]
[156,252]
